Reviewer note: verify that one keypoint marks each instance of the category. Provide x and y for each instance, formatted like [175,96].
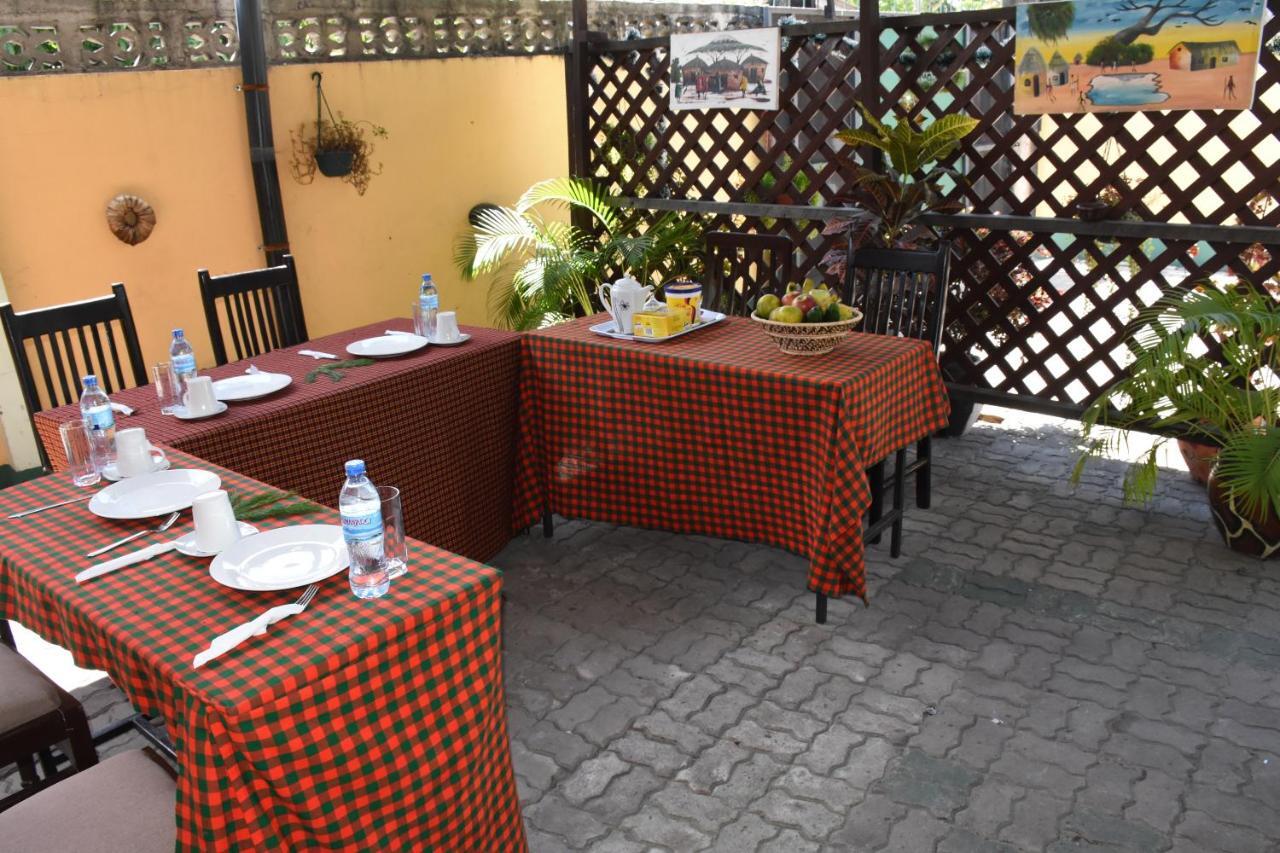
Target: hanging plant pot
[1200,459]
[335,164]
[1257,537]
[1094,210]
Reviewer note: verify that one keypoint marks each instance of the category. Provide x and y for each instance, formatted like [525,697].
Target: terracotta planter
[1257,537]
[1200,459]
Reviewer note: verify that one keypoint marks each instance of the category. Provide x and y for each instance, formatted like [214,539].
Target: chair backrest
[900,291]
[263,310]
[740,265]
[66,342]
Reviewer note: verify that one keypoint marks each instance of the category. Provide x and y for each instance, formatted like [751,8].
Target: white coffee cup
[134,454]
[447,327]
[200,398]
[216,525]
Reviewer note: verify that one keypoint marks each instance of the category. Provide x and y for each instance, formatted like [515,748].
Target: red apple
[805,303]
[790,298]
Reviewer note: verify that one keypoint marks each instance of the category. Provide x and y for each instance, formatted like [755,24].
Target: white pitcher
[623,299]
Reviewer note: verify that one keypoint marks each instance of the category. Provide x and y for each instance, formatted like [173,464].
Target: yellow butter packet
[657,324]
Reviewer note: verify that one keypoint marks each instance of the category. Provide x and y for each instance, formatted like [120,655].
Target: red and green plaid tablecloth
[440,424]
[356,725]
[719,433]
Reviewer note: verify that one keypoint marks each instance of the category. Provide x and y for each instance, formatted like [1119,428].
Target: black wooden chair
[35,716]
[903,293]
[68,341]
[263,310]
[740,265]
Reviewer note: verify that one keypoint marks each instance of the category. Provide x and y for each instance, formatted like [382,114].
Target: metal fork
[307,595]
[168,522]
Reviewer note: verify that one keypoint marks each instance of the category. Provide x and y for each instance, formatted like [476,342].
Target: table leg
[820,609]
[548,525]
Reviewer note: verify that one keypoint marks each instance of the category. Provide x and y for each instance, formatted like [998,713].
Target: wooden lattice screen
[1040,300]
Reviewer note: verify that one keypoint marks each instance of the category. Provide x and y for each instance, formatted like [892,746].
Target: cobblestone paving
[1041,670]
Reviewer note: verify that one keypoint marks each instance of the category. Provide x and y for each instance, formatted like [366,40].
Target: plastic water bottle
[95,410]
[182,364]
[429,302]
[361,512]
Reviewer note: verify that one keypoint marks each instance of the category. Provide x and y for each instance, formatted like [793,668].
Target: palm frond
[573,192]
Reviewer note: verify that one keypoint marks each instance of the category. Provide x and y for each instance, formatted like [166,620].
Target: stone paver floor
[1042,670]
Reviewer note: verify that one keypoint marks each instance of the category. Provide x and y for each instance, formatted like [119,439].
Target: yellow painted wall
[461,131]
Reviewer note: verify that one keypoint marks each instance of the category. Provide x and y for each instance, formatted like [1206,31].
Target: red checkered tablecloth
[356,725]
[440,424]
[719,433]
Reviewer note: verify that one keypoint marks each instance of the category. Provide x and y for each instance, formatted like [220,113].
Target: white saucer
[187,544]
[387,346]
[462,339]
[113,475]
[181,413]
[283,558]
[250,386]
[149,495]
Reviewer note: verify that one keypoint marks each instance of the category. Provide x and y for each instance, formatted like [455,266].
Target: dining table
[438,423]
[353,725]
[718,433]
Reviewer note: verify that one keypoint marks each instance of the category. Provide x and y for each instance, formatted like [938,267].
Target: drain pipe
[262,149]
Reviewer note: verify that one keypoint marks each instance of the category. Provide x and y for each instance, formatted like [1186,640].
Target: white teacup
[447,327]
[200,398]
[134,454]
[216,525]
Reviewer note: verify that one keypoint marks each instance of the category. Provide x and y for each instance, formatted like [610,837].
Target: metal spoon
[168,522]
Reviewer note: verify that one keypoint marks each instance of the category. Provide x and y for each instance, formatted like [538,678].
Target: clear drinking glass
[395,550]
[419,322]
[166,387]
[81,464]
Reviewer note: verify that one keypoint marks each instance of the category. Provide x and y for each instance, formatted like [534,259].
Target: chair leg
[875,482]
[820,609]
[6,634]
[924,473]
[27,770]
[548,525]
[79,745]
[899,502]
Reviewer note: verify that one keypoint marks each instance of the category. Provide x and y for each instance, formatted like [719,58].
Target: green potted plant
[1206,368]
[336,148]
[544,270]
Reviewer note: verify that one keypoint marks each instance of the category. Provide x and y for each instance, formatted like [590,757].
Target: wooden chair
[69,341]
[125,803]
[35,716]
[263,310]
[740,265]
[904,293]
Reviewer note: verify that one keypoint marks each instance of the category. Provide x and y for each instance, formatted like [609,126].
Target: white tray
[709,318]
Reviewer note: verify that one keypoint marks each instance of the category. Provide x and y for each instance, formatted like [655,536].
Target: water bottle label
[358,528]
[183,365]
[429,301]
[100,418]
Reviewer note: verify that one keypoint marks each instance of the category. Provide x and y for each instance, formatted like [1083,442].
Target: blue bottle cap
[355,468]
[90,381]
[426,277]
[177,333]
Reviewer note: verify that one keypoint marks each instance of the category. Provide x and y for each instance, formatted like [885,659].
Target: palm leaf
[1249,471]
[574,192]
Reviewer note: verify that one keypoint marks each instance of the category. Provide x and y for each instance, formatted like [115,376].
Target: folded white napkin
[316,354]
[224,643]
[253,369]
[121,408]
[100,569]
[399,332]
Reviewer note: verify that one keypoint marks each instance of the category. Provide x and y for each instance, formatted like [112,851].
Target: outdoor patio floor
[1040,670]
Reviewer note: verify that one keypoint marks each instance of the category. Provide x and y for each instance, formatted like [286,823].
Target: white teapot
[623,299]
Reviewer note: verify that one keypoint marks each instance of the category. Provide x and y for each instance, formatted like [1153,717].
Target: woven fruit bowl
[809,338]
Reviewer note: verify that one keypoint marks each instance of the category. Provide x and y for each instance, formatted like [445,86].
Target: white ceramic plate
[387,346]
[250,386]
[462,339]
[187,544]
[181,413]
[113,475]
[149,495]
[283,558]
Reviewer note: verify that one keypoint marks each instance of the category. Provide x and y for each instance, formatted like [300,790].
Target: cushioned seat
[124,803]
[28,694]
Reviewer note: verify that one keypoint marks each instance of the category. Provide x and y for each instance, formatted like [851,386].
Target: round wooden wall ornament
[130,218]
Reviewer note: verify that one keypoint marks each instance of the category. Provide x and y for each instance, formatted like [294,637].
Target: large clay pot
[1200,459]
[1258,537]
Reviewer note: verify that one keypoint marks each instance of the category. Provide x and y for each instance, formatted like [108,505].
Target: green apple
[787,314]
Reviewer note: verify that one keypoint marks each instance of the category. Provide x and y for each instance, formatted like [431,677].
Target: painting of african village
[733,70]
[1129,55]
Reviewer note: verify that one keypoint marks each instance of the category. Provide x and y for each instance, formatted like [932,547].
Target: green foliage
[335,370]
[1206,367]
[544,269]
[890,203]
[1050,21]
[1110,51]
[270,505]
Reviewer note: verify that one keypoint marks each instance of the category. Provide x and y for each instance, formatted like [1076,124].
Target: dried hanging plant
[337,134]
[130,218]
